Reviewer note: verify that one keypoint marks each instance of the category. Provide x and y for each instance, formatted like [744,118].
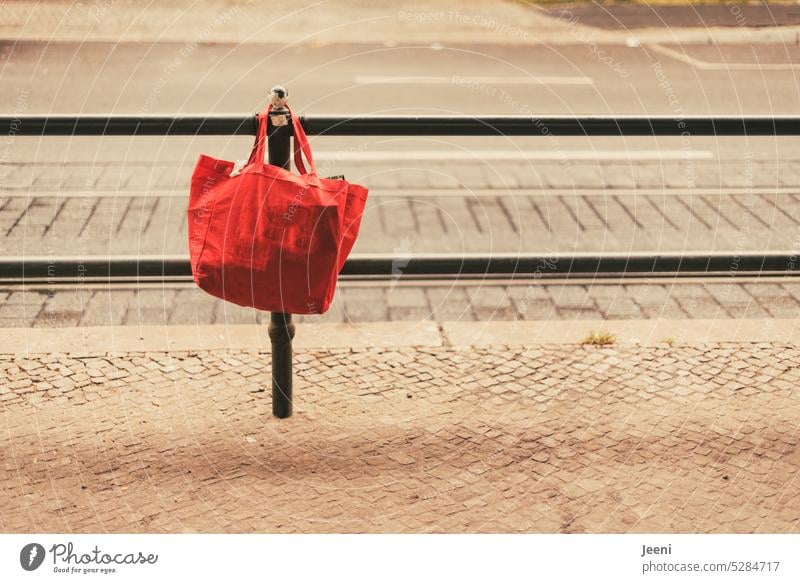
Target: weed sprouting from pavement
[599,339]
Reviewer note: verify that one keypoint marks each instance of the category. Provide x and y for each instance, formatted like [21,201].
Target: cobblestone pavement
[695,299]
[141,209]
[515,439]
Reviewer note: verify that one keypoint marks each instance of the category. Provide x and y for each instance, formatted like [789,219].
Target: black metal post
[281,328]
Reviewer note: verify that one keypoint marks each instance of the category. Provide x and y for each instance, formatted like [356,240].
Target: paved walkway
[535,438]
[152,304]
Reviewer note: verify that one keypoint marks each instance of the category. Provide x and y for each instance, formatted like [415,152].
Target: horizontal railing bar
[238,124]
[430,266]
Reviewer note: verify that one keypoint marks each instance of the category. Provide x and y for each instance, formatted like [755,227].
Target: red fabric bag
[267,238]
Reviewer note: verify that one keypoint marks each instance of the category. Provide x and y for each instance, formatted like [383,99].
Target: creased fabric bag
[268,238]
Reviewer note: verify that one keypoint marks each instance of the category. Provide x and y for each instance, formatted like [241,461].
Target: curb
[392,335]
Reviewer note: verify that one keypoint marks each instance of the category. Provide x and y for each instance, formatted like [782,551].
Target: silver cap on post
[279,98]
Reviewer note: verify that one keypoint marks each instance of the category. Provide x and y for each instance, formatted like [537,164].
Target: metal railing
[281,329]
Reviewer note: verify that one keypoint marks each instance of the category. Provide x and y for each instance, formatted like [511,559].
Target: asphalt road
[370,79]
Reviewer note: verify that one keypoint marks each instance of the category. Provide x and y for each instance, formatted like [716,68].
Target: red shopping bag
[267,238]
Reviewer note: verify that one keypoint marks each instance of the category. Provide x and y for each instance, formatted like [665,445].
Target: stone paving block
[383,180]
[668,309]
[426,218]
[765,291]
[414,178]
[575,296]
[151,306]
[529,177]
[557,217]
[473,176]
[748,310]
[588,174]
[193,306]
[398,221]
[442,179]
[335,313]
[776,211]
[32,298]
[364,304]
[701,307]
[16,320]
[618,176]
[602,290]
[765,172]
[143,316]
[585,213]
[647,175]
[789,173]
[67,300]
[499,178]
[681,175]
[528,290]
[618,308]
[81,177]
[652,294]
[106,308]
[228,313]
[559,176]
[781,307]
[63,309]
[491,302]
[23,312]
[730,293]
[689,290]
[408,313]
[406,297]
[163,298]
[17,176]
[537,309]
[577,313]
[449,304]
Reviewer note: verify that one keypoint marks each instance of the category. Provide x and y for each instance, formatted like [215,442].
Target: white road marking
[513,155]
[469,80]
[701,65]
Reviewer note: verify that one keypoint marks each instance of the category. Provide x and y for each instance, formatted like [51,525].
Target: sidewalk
[440,428]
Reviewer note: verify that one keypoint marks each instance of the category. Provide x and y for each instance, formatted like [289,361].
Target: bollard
[281,328]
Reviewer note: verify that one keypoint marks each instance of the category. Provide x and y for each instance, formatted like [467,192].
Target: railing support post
[281,328]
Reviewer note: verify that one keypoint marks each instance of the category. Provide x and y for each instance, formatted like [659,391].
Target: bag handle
[301,145]
[257,153]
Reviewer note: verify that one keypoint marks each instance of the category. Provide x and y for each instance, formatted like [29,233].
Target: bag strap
[301,145]
[260,144]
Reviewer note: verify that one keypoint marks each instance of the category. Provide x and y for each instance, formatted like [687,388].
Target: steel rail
[174,268]
[401,125]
